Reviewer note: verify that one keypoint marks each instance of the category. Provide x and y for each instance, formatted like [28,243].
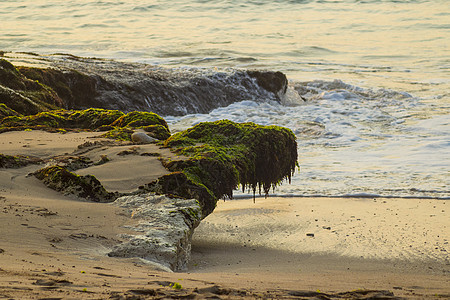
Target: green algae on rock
[5,111]
[84,119]
[120,125]
[150,122]
[88,187]
[54,119]
[139,119]
[222,156]
[118,134]
[77,90]
[24,95]
[159,132]
[93,118]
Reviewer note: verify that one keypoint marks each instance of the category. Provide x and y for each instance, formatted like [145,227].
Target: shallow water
[374,74]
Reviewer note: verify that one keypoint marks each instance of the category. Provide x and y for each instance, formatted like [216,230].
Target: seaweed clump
[222,156]
[87,186]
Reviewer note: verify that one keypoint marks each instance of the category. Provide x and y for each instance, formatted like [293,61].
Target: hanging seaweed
[223,155]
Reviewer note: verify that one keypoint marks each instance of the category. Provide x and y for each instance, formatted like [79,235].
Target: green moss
[93,118]
[90,119]
[71,86]
[5,111]
[223,155]
[140,118]
[150,122]
[48,118]
[88,187]
[10,76]
[24,95]
[54,119]
[176,286]
[159,132]
[120,134]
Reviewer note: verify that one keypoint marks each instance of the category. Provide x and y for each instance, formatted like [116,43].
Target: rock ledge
[164,229]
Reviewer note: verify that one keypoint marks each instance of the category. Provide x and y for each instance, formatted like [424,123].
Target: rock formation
[222,156]
[78,83]
[142,138]
[164,230]
[17,161]
[119,125]
[87,187]
[24,95]
[215,157]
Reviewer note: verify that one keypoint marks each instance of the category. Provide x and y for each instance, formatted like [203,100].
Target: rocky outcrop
[24,95]
[17,161]
[142,138]
[5,111]
[274,82]
[215,157]
[87,187]
[74,88]
[81,83]
[119,125]
[222,156]
[164,229]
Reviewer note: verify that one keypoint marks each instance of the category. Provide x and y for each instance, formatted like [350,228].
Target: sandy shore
[53,246]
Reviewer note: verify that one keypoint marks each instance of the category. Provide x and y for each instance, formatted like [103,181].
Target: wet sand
[54,246]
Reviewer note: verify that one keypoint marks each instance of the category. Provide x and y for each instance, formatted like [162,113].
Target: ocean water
[369,80]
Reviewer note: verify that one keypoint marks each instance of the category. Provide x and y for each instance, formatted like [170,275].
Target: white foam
[353,140]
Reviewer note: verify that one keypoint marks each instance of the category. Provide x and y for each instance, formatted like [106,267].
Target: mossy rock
[53,119]
[150,122]
[12,78]
[139,119]
[119,134]
[89,119]
[88,187]
[5,111]
[180,184]
[74,88]
[93,118]
[157,131]
[18,161]
[223,155]
[24,95]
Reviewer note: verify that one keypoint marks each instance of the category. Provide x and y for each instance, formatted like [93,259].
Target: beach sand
[54,246]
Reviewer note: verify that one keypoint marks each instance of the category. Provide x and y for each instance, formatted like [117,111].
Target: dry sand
[54,246]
